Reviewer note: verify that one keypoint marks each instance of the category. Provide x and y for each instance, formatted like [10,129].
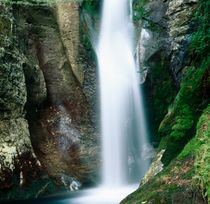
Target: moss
[200,44]
[185,130]
[161,189]
[139,11]
[160,89]
[179,124]
[89,19]
[91,6]
[202,162]
[189,149]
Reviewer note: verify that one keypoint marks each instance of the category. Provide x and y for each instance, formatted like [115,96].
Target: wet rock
[155,168]
[188,197]
[60,127]
[68,20]
[12,84]
[179,14]
[70,183]
[15,141]
[169,26]
[35,84]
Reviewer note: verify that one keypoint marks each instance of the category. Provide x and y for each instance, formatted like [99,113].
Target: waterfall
[123,126]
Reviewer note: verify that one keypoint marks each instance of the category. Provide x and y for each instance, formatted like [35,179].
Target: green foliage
[139,11]
[178,125]
[187,101]
[89,18]
[189,149]
[161,88]
[180,122]
[202,163]
[200,45]
[91,6]
[36,2]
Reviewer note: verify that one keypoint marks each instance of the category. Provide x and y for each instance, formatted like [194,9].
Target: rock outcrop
[44,110]
[174,54]
[16,153]
[179,14]
[62,134]
[168,24]
[69,26]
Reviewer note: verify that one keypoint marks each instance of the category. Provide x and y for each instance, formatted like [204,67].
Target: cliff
[177,84]
[47,132]
[48,97]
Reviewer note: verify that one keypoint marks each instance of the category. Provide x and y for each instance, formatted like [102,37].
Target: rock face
[42,96]
[60,127]
[165,30]
[69,30]
[183,130]
[179,14]
[168,24]
[16,153]
[155,167]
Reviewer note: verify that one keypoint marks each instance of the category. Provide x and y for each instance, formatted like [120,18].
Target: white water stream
[123,126]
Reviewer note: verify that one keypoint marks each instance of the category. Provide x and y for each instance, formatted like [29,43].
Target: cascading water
[123,127]
[123,124]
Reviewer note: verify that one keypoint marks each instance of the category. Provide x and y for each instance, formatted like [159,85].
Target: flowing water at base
[98,195]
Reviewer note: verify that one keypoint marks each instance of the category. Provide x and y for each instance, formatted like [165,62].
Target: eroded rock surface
[169,25]
[62,134]
[68,21]
[42,96]
[15,141]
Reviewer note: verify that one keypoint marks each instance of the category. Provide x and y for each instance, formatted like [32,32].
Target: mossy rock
[186,178]
[172,185]
[202,162]
[160,90]
[179,125]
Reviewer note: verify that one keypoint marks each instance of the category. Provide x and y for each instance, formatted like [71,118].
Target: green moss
[91,6]
[160,89]
[202,162]
[139,11]
[189,149]
[179,124]
[89,19]
[200,44]
[162,188]
[191,98]
[186,104]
